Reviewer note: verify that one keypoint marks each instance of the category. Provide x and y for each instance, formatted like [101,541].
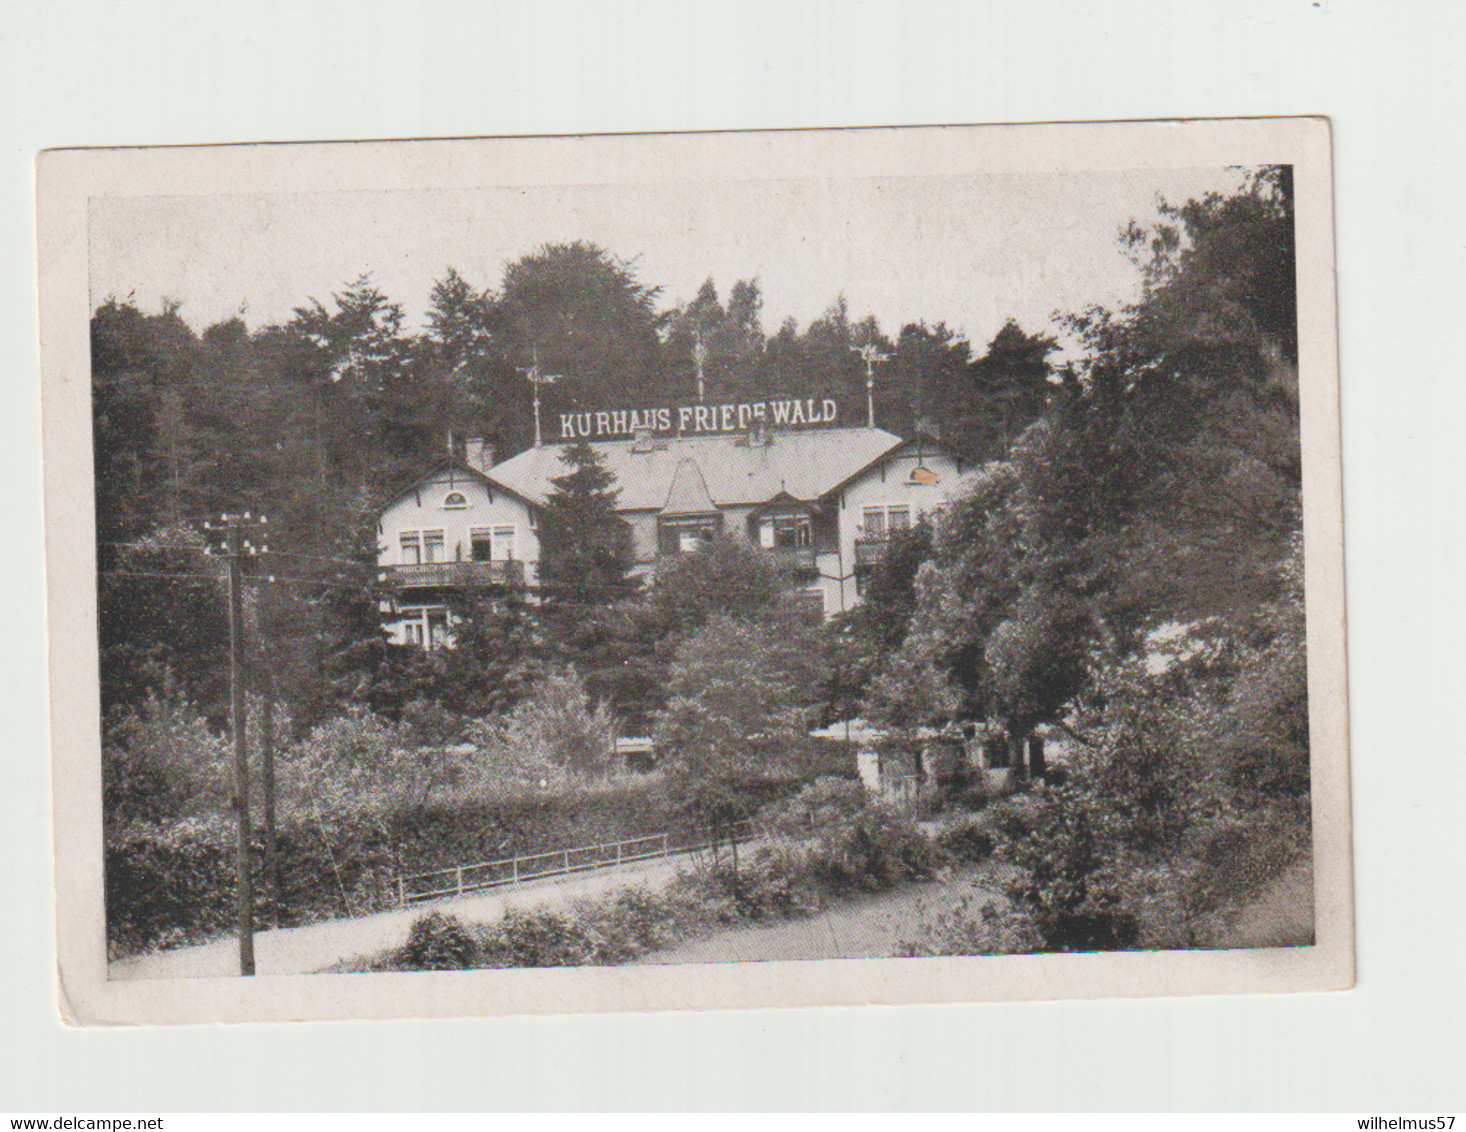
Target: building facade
[824,502]
[456,528]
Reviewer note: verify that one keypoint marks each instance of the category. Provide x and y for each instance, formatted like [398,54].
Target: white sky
[968,250]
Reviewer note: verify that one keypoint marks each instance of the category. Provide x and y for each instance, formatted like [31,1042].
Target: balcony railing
[794,557]
[871,551]
[441,574]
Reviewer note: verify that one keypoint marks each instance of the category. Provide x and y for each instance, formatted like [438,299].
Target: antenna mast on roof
[871,356]
[699,355]
[537,379]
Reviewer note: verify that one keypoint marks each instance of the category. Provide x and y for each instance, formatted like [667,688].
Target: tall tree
[1156,486]
[586,558]
[1010,389]
[468,369]
[586,317]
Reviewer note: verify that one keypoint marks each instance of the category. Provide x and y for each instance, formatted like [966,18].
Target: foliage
[1012,383]
[362,763]
[157,635]
[583,313]
[171,883]
[732,682]
[557,727]
[871,851]
[823,803]
[168,885]
[1071,869]
[725,576]
[876,628]
[585,547]
[161,761]
[497,656]
[992,928]
[439,942]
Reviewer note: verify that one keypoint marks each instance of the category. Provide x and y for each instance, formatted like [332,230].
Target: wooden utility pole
[237,547]
[267,776]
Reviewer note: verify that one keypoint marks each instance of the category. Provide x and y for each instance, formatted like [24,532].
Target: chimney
[641,441]
[478,453]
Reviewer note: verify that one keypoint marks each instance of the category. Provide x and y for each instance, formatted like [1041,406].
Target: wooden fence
[415,888]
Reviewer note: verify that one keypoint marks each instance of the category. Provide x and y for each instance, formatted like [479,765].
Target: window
[425,627]
[686,535]
[432,545]
[785,532]
[885,519]
[437,628]
[455,501]
[494,544]
[411,548]
[413,627]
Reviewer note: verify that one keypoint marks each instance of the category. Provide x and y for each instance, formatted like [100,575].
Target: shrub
[160,761]
[824,803]
[873,851]
[558,726]
[994,930]
[966,843]
[168,887]
[773,886]
[439,942]
[1070,856]
[966,790]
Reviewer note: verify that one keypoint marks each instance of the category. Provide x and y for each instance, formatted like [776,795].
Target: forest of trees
[316,422]
[1125,567]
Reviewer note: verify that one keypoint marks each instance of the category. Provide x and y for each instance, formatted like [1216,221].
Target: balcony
[870,552]
[438,575]
[793,557]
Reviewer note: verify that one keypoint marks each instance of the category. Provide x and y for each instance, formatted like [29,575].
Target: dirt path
[870,927]
[303,950]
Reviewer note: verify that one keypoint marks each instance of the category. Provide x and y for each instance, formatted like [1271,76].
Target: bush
[439,942]
[774,886]
[994,930]
[824,803]
[966,843]
[966,790]
[871,852]
[161,761]
[168,887]
[1070,856]
[558,725]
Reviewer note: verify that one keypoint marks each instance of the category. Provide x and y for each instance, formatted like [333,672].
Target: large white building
[824,501]
[456,527]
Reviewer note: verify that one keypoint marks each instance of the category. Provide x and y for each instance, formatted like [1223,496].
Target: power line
[152,574]
[144,549]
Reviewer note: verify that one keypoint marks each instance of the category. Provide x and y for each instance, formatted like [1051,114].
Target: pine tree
[586,552]
[586,557]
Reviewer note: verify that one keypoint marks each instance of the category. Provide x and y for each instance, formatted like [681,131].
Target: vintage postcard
[697,571]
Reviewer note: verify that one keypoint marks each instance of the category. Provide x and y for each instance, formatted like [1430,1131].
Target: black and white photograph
[695,570]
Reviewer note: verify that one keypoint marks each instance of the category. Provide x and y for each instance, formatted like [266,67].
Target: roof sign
[697,418]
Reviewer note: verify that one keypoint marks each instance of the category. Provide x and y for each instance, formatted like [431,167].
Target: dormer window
[455,501]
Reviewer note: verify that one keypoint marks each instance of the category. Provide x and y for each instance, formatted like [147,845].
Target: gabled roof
[689,494]
[805,465]
[780,501]
[457,467]
[921,443]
